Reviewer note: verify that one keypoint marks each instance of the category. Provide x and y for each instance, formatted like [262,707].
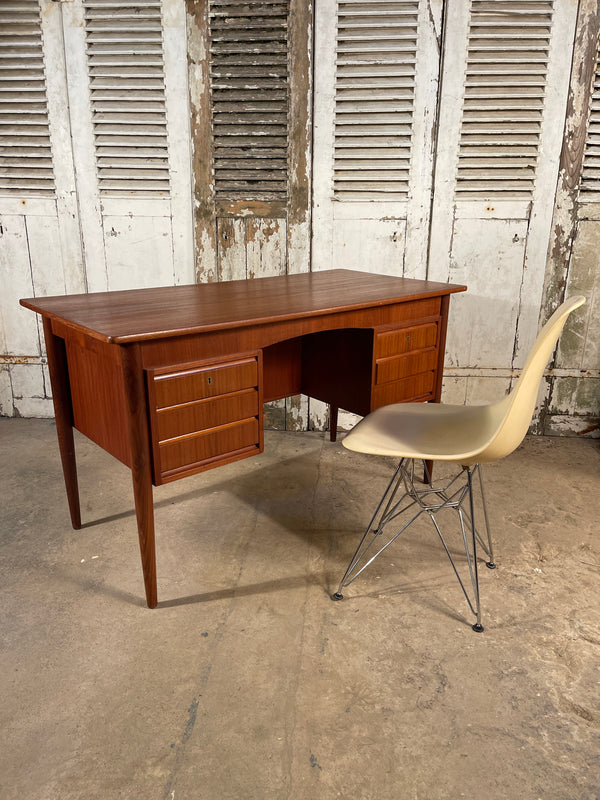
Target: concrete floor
[248,681]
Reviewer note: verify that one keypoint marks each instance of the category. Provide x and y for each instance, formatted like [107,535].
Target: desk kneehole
[204,415]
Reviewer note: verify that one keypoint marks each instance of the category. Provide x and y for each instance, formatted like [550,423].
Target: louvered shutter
[250,84]
[590,177]
[25,154]
[505,86]
[250,99]
[376,51]
[127,67]
[504,94]
[127,90]
[376,83]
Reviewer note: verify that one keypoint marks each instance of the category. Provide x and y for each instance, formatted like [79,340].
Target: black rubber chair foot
[490,564]
[337,596]
[478,628]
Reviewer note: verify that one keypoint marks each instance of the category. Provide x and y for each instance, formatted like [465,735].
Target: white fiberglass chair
[467,435]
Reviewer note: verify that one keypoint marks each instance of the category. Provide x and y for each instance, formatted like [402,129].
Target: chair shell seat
[429,431]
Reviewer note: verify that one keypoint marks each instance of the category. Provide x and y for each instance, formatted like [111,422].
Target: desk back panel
[337,368]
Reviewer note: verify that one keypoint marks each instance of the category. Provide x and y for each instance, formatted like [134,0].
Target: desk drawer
[392,369]
[406,361]
[187,385]
[204,414]
[414,388]
[406,340]
[202,447]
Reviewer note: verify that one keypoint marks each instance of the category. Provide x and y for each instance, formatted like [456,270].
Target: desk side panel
[282,369]
[98,397]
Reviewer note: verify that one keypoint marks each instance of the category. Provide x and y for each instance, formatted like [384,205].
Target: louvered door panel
[505,85]
[374,95]
[502,108]
[25,154]
[127,89]
[250,99]
[590,178]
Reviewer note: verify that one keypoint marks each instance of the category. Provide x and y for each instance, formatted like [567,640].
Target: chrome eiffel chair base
[406,495]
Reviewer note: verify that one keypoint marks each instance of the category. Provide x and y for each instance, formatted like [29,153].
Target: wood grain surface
[146,314]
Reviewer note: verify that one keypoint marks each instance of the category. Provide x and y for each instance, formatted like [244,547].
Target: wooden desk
[172,381]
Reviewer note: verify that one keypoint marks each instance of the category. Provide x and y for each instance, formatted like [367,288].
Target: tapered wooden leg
[140,465]
[63,411]
[428,472]
[333,421]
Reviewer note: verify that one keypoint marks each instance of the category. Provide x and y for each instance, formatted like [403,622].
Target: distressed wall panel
[573,401]
[23,387]
[266,247]
[231,248]
[18,334]
[579,347]
[250,247]
[7,407]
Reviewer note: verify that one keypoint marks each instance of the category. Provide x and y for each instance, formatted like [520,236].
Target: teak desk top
[137,315]
[172,381]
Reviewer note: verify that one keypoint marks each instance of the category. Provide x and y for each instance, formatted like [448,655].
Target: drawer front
[200,382]
[189,417]
[204,414]
[404,340]
[392,369]
[416,387]
[199,449]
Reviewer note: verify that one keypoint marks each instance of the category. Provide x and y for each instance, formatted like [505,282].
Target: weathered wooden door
[502,110]
[40,246]
[376,86]
[127,76]
[571,401]
[250,84]
[95,192]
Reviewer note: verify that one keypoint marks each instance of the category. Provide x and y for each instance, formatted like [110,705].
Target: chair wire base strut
[407,496]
